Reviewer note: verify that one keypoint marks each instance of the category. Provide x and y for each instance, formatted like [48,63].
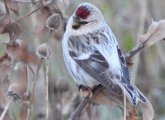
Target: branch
[6,109]
[26,1]
[30,13]
[29,115]
[44,52]
[47,89]
[80,108]
[7,9]
[134,51]
[155,33]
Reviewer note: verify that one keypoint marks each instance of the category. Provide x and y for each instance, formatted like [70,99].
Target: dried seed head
[14,92]
[17,50]
[43,51]
[53,22]
[62,85]
[14,95]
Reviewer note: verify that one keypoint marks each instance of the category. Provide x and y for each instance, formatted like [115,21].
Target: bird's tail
[134,94]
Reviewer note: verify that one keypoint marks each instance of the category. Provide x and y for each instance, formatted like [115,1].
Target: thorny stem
[6,109]
[47,89]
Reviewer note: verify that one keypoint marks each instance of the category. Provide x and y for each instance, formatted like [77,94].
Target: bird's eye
[83,22]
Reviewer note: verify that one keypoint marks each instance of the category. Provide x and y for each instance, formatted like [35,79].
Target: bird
[92,54]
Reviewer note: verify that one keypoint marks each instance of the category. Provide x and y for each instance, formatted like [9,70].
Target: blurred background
[128,19]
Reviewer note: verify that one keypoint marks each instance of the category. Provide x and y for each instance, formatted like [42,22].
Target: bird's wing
[97,67]
[132,92]
[125,72]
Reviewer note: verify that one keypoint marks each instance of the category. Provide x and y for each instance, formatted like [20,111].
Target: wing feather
[132,92]
[97,67]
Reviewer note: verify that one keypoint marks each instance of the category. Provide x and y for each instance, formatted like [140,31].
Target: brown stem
[83,104]
[79,108]
[33,89]
[140,46]
[134,51]
[6,109]
[7,9]
[47,89]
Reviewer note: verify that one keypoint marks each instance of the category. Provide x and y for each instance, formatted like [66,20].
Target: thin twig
[7,9]
[26,1]
[125,104]
[29,68]
[8,13]
[139,47]
[47,89]
[134,51]
[35,78]
[30,13]
[28,112]
[6,109]
[79,108]
[33,89]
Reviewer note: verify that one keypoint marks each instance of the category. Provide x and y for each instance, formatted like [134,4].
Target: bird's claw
[86,92]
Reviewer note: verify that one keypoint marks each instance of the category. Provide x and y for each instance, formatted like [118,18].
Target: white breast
[78,74]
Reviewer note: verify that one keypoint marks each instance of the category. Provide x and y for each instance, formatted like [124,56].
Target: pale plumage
[92,54]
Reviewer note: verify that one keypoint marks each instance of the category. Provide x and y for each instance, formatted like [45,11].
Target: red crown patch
[82,12]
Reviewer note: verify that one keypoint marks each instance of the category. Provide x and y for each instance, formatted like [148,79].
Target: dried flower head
[53,22]
[43,51]
[62,85]
[14,92]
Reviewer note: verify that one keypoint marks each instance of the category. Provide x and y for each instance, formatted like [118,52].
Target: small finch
[92,54]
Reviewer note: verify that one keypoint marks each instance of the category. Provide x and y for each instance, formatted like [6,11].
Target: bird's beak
[76,23]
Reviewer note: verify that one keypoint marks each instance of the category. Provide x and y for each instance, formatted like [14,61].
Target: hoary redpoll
[92,54]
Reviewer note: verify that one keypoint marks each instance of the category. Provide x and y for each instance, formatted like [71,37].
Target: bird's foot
[85,91]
